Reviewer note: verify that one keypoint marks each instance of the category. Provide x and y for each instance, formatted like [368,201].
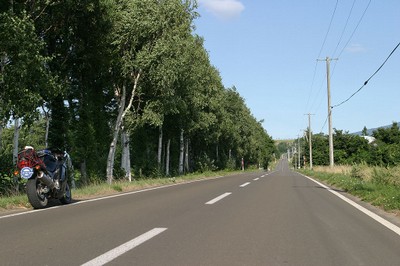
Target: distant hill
[371,130]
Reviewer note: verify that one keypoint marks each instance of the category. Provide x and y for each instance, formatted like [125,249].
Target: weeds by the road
[379,186]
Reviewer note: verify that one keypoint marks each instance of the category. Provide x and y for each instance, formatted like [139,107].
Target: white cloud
[223,9]
[355,48]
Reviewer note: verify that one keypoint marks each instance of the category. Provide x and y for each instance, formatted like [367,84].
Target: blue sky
[268,50]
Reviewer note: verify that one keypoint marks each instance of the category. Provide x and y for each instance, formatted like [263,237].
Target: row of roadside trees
[125,86]
[351,149]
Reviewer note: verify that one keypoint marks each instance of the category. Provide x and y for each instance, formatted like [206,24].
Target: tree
[387,147]
[94,67]
[139,40]
[25,80]
[364,132]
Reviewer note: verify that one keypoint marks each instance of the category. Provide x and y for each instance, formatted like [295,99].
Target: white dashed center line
[218,198]
[118,251]
[245,184]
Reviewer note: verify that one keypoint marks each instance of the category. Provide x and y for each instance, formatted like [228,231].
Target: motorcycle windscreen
[50,162]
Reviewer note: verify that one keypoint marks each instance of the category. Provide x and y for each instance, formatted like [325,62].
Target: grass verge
[376,185]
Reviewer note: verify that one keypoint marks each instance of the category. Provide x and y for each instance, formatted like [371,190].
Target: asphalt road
[276,218]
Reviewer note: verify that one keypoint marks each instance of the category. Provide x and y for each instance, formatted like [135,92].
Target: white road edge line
[218,198]
[245,184]
[118,251]
[374,216]
[257,178]
[107,197]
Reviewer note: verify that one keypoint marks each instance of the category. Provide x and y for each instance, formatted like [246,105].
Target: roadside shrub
[230,164]
[6,184]
[356,171]
[387,176]
[361,171]
[205,164]
[380,176]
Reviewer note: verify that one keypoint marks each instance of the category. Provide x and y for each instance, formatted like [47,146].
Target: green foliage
[282,147]
[25,80]
[117,187]
[356,171]
[230,164]
[388,135]
[352,149]
[205,164]
[71,59]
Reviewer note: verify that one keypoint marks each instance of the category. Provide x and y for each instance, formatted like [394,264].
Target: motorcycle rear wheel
[33,189]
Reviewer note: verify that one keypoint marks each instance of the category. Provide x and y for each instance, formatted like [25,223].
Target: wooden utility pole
[328,82]
[299,151]
[309,139]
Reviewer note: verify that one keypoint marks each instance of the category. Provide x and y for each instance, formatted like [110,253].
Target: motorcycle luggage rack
[31,157]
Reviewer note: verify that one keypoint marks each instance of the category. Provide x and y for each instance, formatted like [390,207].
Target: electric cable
[366,82]
[344,47]
[320,51]
[344,28]
[326,120]
[329,28]
[312,84]
[352,34]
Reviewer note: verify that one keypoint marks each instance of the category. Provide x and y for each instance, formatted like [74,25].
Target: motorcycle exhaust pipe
[45,179]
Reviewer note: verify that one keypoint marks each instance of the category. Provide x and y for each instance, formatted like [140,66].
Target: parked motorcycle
[46,174]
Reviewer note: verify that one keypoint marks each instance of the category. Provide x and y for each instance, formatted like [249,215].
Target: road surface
[259,218]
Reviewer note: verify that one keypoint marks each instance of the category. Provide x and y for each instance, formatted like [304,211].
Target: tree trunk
[126,158]
[164,156]
[46,137]
[84,179]
[123,148]
[47,118]
[113,145]
[3,124]
[121,114]
[181,153]
[159,154]
[15,149]
[1,136]
[128,161]
[187,156]
[167,159]
[217,153]
[16,140]
[2,65]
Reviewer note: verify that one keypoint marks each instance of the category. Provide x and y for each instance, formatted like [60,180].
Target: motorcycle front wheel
[36,198]
[67,197]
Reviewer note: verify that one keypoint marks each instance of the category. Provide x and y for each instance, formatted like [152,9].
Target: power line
[340,39]
[358,24]
[366,82]
[320,51]
[326,120]
[352,34]
[329,28]
[344,28]
[312,84]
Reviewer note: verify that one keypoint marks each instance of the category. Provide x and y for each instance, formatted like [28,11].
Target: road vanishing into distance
[258,218]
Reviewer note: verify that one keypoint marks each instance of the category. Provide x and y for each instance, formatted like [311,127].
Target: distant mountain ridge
[370,131]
